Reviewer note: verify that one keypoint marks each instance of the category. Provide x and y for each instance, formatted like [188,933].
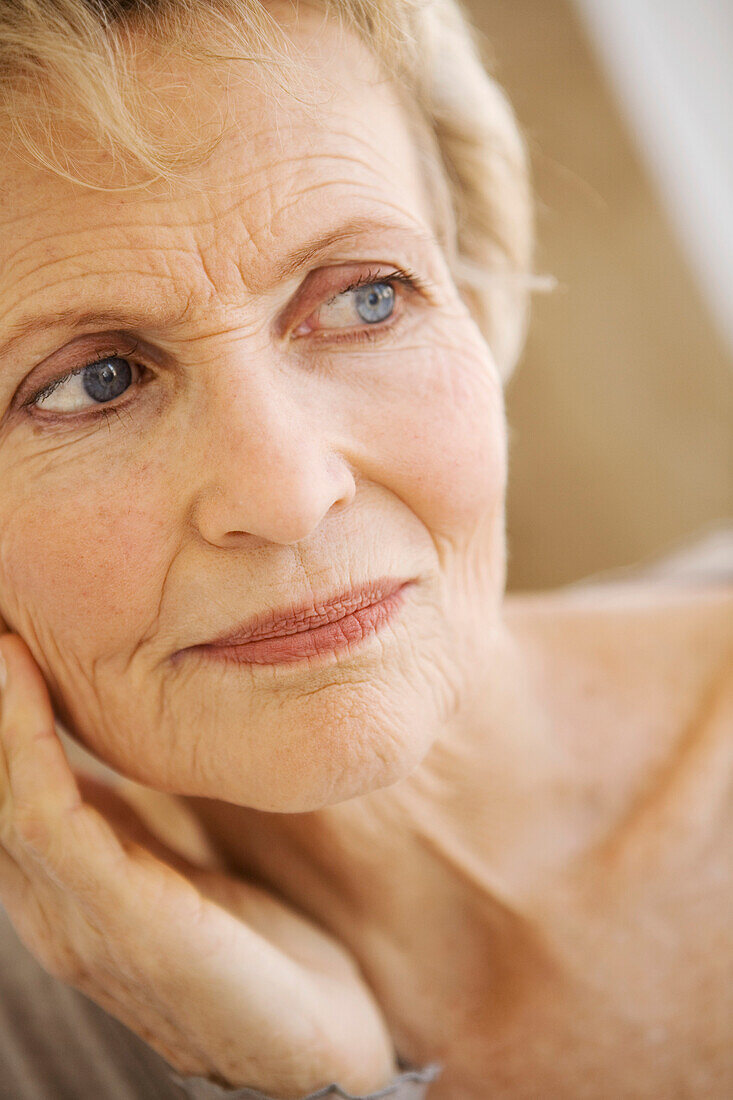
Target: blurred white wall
[671,65]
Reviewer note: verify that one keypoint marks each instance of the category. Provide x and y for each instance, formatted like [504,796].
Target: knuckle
[32,827]
[44,935]
[64,947]
[65,965]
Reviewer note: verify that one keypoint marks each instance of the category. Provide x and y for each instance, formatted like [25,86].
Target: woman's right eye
[95,384]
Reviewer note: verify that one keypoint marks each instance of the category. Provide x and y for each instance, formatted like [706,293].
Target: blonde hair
[70,61]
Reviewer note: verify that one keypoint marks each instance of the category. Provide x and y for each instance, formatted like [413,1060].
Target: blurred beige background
[621,409]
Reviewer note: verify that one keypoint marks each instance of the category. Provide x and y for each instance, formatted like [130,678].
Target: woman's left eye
[97,383]
[363,303]
[369,304]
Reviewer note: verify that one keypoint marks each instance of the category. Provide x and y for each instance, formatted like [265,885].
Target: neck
[498,789]
[490,800]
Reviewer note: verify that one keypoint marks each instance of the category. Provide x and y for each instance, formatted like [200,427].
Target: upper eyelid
[55,383]
[403,280]
[406,287]
[378,272]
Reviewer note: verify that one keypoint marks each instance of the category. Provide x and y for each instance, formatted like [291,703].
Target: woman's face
[247,433]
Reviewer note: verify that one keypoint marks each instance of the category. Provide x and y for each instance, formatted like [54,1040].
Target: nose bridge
[268,468]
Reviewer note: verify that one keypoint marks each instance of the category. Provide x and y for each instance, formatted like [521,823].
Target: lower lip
[344,633]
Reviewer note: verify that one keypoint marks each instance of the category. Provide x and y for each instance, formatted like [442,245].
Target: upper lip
[292,618]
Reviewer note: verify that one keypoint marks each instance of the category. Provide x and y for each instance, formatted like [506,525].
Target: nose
[272,473]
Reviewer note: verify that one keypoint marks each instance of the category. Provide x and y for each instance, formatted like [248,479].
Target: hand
[217,975]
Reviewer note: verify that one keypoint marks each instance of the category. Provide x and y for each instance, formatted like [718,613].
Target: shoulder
[696,620]
[625,668]
[679,604]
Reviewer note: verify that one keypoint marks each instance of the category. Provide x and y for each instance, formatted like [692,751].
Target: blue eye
[107,379]
[367,300]
[374,302]
[102,381]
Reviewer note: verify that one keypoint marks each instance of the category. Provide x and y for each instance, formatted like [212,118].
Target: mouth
[296,633]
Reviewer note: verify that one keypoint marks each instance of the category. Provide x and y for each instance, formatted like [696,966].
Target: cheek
[85,569]
[439,435]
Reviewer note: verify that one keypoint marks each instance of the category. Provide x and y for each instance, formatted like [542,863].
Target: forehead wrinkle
[130,211]
[113,249]
[121,236]
[26,326]
[373,162]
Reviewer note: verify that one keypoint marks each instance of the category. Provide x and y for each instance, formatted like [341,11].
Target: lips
[296,619]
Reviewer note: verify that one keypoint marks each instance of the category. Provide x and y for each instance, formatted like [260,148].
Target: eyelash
[400,276]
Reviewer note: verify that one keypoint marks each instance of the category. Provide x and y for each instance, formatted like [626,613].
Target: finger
[42,810]
[14,883]
[38,772]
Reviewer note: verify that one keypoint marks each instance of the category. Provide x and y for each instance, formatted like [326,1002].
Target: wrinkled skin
[251,469]
[470,801]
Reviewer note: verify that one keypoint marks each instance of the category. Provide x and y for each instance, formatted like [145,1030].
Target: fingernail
[3,673]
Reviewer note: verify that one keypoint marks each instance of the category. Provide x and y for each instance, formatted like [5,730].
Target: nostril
[344,479]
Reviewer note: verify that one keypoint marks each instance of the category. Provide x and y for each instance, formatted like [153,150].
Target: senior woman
[263,269]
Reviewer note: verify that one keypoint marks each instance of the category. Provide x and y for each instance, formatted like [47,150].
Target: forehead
[282,172]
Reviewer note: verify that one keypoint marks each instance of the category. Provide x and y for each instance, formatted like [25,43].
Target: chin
[333,768]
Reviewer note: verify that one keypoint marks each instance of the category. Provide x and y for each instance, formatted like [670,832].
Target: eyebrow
[287,268]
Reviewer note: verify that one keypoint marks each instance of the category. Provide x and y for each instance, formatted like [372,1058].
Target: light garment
[57,1044]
